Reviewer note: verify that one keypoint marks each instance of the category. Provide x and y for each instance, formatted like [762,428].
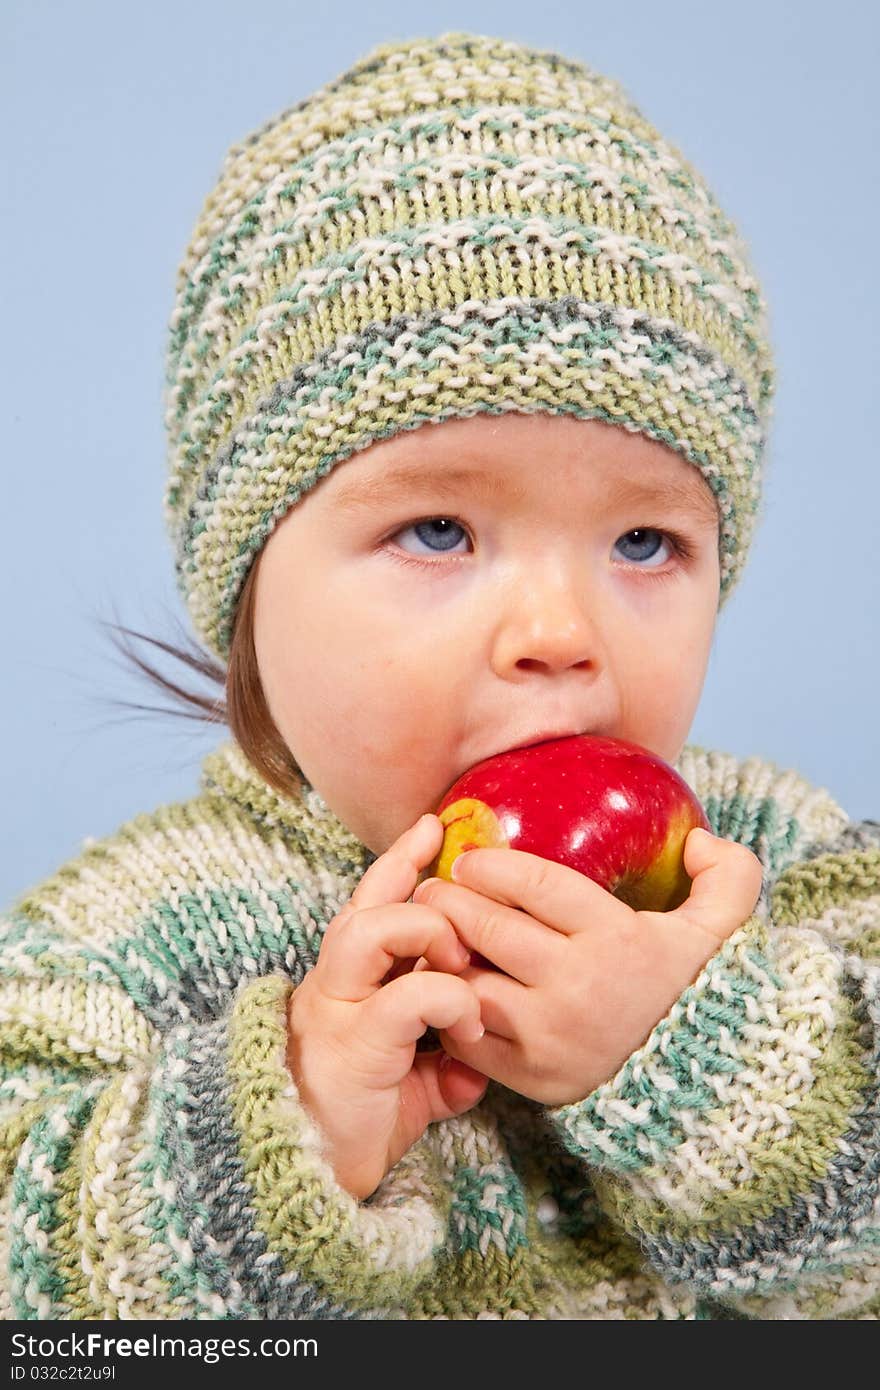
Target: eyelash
[682,547]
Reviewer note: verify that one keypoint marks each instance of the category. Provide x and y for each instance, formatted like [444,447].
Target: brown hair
[244,709]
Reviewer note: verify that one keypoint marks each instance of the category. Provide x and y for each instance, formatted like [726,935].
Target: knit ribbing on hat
[452,226]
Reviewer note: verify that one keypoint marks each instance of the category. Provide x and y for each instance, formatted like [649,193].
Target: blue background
[117,118]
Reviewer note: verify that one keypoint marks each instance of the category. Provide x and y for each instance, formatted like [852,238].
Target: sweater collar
[305,821]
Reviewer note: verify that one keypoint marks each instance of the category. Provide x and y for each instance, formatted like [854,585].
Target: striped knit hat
[454,225]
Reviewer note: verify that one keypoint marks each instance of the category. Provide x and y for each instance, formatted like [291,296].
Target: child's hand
[585,977]
[354,1020]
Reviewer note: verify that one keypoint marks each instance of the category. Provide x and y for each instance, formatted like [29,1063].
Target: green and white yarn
[158,1163]
[452,226]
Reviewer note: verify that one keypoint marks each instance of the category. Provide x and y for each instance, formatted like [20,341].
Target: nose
[547,622]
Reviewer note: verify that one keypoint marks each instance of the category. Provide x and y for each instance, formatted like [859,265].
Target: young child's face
[405,630]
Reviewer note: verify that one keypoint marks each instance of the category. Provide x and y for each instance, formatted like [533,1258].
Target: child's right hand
[354,1020]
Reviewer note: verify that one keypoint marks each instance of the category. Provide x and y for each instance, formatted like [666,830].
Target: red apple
[610,809]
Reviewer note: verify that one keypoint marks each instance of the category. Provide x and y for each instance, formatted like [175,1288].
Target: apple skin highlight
[607,808]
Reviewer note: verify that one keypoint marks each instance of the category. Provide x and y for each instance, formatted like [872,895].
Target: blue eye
[646,547]
[439,533]
[645,542]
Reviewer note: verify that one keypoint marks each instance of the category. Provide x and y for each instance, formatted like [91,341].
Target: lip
[543,737]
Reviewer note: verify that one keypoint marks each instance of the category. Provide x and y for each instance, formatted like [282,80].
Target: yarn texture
[453,225]
[158,1162]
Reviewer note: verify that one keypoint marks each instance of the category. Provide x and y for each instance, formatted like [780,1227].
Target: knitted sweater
[158,1162]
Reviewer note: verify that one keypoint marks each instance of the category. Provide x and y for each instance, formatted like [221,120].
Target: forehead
[519,457]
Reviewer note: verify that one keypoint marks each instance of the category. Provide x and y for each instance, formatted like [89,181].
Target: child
[468,394]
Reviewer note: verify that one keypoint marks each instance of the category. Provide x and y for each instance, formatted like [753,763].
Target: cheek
[357,681]
[373,734]
[680,668]
[662,683]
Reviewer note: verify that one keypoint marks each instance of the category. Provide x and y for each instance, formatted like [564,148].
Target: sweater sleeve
[157,1162]
[740,1145]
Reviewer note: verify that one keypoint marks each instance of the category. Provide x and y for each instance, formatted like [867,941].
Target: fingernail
[425,883]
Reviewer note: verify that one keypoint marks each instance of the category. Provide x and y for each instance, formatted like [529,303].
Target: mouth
[546,736]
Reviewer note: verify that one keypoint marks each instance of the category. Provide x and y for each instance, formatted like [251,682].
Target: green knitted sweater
[158,1163]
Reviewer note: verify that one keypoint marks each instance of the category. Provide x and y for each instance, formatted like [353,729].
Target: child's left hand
[582,978]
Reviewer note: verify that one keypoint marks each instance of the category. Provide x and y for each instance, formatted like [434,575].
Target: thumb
[727,879]
[451,1087]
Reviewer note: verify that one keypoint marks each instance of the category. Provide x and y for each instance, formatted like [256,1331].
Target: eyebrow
[450,483]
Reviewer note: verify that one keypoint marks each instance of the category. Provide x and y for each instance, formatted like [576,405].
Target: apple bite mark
[469,824]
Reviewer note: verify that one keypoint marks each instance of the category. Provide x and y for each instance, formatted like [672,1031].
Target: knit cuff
[366,1253]
[738,1146]
[640,1125]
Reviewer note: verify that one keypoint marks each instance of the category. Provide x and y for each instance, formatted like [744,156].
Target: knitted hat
[454,225]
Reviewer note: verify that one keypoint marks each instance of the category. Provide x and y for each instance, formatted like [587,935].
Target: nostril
[529,663]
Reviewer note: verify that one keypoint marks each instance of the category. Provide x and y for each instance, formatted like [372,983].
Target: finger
[392,877]
[558,896]
[502,1000]
[496,1057]
[508,1062]
[400,1012]
[727,879]
[520,946]
[433,1088]
[450,1086]
[358,951]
